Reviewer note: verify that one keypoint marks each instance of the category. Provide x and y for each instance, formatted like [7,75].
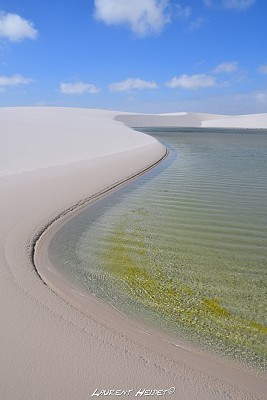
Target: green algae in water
[184,246]
[183,308]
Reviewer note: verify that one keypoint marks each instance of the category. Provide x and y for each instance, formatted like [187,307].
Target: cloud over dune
[192,82]
[144,17]
[226,68]
[15,28]
[13,80]
[78,88]
[132,84]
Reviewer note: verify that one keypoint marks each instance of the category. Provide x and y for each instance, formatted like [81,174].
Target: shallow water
[184,246]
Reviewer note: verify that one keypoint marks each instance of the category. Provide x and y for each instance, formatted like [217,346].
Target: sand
[256,121]
[53,160]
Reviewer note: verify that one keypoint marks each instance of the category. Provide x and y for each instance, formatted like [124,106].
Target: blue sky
[135,55]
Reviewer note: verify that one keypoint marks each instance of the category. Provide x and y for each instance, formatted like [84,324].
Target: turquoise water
[184,247]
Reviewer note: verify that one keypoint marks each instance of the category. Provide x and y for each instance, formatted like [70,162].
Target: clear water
[184,246]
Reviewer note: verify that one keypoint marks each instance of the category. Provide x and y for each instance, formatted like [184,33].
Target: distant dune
[194,120]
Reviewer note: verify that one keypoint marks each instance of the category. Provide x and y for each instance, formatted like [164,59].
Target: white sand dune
[257,121]
[50,161]
[33,138]
[171,120]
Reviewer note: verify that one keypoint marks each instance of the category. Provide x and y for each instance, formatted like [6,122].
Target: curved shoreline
[49,349]
[112,318]
[69,213]
[73,294]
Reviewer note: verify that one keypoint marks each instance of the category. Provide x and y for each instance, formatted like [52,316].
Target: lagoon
[183,247]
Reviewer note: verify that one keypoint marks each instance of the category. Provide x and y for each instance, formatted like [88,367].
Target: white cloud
[130,84]
[261,97]
[238,4]
[14,80]
[192,82]
[226,68]
[143,16]
[78,88]
[183,11]
[15,28]
[208,3]
[263,69]
[197,23]
[230,4]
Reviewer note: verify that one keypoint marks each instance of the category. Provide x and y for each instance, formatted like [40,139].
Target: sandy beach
[54,342]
